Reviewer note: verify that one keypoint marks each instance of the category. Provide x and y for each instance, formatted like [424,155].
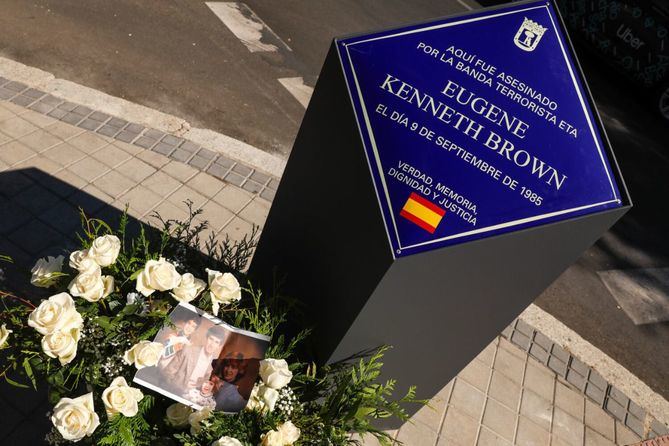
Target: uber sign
[444,175]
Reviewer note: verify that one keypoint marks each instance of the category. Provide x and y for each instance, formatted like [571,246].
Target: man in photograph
[192,365]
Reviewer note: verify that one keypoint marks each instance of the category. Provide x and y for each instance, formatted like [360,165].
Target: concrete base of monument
[437,308]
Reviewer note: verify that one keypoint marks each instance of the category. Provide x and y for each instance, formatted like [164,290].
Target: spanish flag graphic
[422,212]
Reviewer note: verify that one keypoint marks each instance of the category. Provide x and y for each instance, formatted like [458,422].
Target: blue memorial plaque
[475,126]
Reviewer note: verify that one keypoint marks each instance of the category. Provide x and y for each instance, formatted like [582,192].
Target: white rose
[189,288]
[227,441]
[255,403]
[56,313]
[272,438]
[177,415]
[105,249]
[269,397]
[61,344]
[275,373]
[144,354]
[224,289]
[91,287]
[44,272]
[119,397]
[4,334]
[197,417]
[289,432]
[158,275]
[75,418]
[84,263]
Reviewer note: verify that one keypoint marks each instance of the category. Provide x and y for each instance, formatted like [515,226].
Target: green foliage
[331,401]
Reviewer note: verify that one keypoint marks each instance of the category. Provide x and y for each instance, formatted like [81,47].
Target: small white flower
[61,344]
[224,289]
[105,250]
[158,275]
[189,288]
[177,415]
[131,298]
[4,335]
[144,354]
[44,273]
[56,313]
[227,441]
[119,397]
[75,418]
[196,418]
[275,373]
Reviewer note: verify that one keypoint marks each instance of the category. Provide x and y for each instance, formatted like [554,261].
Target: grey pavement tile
[181,155]
[82,110]
[180,171]
[89,124]
[57,113]
[569,400]
[507,332]
[560,353]
[234,178]
[579,366]
[557,366]
[199,163]
[99,116]
[242,170]
[568,428]
[15,152]
[16,86]
[6,94]
[504,390]
[136,169]
[499,419]
[596,379]
[22,100]
[205,153]
[41,107]
[252,186]
[268,194]
[224,161]
[593,438]
[595,393]
[507,363]
[174,141]
[216,170]
[117,122]
[108,130]
[273,184]
[205,184]
[576,380]
[67,106]
[618,395]
[72,118]
[145,142]
[520,339]
[624,436]
[135,128]
[260,177]
[636,410]
[477,374]
[126,136]
[34,93]
[538,352]
[233,198]
[531,434]
[191,147]
[467,399]
[536,408]
[163,148]
[540,380]
[458,428]
[615,409]
[154,134]
[597,419]
[512,348]
[659,428]
[51,100]
[634,424]
[524,328]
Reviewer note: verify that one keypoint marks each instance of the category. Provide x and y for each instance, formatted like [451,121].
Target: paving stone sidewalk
[519,390]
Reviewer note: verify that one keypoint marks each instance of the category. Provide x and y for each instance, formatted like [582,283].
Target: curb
[138,114]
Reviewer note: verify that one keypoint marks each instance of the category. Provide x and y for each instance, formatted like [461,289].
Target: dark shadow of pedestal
[39,216]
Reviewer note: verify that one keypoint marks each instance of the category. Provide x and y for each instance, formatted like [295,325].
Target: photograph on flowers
[204,361]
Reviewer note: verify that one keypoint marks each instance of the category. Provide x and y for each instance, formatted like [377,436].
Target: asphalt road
[178,57]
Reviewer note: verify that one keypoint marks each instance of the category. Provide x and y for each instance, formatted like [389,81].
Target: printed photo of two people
[205,362]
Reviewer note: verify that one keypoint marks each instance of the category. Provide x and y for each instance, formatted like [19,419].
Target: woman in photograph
[226,374]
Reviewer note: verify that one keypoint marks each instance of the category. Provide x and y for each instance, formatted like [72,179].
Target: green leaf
[29,371]
[15,384]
